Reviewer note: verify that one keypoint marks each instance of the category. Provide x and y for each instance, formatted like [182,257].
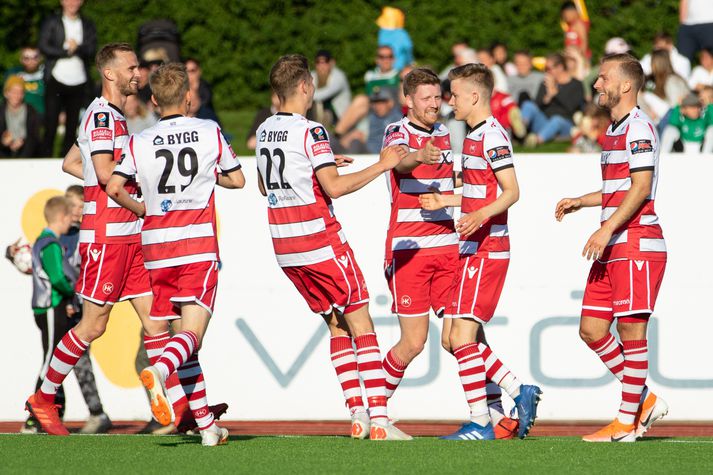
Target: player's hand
[596,244]
[567,206]
[470,223]
[431,201]
[391,156]
[429,155]
[71,46]
[343,160]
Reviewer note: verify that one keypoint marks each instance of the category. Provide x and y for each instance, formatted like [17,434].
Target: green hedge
[237,41]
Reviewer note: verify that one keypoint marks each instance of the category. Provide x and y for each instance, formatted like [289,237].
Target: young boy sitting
[691,123]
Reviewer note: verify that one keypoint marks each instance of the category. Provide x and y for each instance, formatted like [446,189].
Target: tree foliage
[238,40]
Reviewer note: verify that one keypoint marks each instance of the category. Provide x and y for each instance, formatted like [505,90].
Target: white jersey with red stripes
[177,162]
[411,228]
[486,150]
[103,130]
[631,145]
[290,149]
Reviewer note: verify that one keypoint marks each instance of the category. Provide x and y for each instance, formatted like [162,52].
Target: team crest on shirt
[158,140]
[272,199]
[640,146]
[101,119]
[498,153]
[166,205]
[318,134]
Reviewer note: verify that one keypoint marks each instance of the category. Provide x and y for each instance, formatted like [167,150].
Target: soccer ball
[23,257]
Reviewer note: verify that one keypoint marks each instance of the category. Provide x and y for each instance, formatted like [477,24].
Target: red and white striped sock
[495,402]
[191,376]
[177,351]
[64,357]
[471,370]
[498,373]
[371,372]
[636,369]
[394,369]
[154,346]
[610,352]
[344,361]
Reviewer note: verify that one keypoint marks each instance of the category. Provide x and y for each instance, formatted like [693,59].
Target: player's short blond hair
[478,74]
[418,77]
[169,84]
[108,53]
[287,73]
[630,68]
[56,207]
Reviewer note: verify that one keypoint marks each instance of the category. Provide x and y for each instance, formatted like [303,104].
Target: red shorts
[623,288]
[420,283]
[476,288]
[195,282]
[111,273]
[337,283]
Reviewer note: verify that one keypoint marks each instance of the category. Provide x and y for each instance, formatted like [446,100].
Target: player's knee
[446,343]
[413,348]
[588,335]
[94,331]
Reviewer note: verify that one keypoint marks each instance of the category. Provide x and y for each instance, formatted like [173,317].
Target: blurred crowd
[539,99]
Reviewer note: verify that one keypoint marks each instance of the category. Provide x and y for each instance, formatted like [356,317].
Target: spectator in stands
[589,135]
[665,88]
[525,84]
[696,29]
[19,123]
[558,98]
[138,116]
[576,29]
[383,109]
[690,123]
[702,75]
[577,65]
[485,56]
[500,53]
[456,50]
[68,42]
[664,41]
[260,117]
[332,94]
[706,95]
[393,34]
[32,71]
[201,92]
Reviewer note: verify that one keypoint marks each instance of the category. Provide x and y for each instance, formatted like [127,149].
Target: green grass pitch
[285,455]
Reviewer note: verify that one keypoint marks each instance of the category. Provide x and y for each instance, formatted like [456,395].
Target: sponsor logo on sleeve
[101,119]
[498,153]
[640,146]
[319,134]
[102,134]
[320,148]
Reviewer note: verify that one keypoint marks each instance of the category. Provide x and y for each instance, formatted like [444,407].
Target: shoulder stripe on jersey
[304,143]
[131,149]
[97,152]
[89,116]
[328,164]
[641,169]
[220,145]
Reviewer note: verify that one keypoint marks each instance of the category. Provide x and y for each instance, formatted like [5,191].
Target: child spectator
[692,124]
[19,122]
[589,134]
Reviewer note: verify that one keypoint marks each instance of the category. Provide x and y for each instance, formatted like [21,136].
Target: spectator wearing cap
[393,34]
[690,123]
[332,94]
[19,123]
[32,71]
[702,75]
[368,135]
[526,82]
[696,29]
[558,98]
[663,41]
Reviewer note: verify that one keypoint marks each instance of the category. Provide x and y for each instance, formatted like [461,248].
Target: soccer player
[628,249]
[298,174]
[178,163]
[112,262]
[484,249]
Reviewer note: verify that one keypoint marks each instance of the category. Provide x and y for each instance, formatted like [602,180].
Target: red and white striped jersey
[486,150]
[177,162]
[290,149]
[411,229]
[631,145]
[103,130]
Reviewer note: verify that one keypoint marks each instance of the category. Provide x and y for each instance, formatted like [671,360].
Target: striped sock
[371,372]
[64,357]
[610,352]
[177,351]
[344,361]
[636,368]
[191,376]
[394,369]
[154,346]
[471,370]
[498,373]
[495,402]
